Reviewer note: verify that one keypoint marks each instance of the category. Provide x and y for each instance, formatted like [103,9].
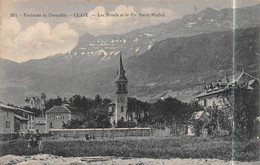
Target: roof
[210,93]
[14,109]
[6,107]
[112,103]
[239,78]
[197,115]
[20,117]
[74,110]
[121,78]
[58,109]
[20,109]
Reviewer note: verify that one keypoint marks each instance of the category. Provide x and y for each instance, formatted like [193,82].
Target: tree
[169,111]
[243,108]
[97,101]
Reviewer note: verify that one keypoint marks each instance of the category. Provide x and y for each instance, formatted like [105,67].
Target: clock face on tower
[121,98]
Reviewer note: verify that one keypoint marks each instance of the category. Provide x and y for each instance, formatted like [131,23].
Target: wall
[99,132]
[41,124]
[211,99]
[3,118]
[57,120]
[23,126]
[170,131]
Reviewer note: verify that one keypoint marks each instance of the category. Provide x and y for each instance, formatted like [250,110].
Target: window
[205,103]
[122,118]
[119,87]
[7,113]
[7,124]
[122,109]
[124,87]
[51,126]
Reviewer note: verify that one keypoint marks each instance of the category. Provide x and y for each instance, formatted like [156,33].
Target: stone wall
[101,133]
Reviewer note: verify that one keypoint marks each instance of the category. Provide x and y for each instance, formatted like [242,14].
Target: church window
[122,109]
[119,87]
[124,87]
[122,118]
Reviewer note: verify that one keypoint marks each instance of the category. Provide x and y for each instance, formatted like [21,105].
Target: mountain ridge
[90,67]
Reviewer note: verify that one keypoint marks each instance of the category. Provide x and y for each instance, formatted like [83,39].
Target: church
[119,106]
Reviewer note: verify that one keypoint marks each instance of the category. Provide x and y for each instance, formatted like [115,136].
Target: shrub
[164,148]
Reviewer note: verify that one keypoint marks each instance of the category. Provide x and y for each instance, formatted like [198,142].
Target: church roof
[121,75]
[112,103]
[121,78]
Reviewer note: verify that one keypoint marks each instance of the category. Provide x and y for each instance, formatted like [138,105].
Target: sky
[24,38]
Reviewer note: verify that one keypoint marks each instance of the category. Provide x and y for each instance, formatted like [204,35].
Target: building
[16,120]
[36,102]
[213,92]
[6,119]
[119,106]
[24,121]
[216,97]
[57,116]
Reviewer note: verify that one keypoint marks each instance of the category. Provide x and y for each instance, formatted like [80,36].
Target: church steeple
[121,94]
[121,69]
[121,75]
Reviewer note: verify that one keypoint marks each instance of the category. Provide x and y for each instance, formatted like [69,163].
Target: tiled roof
[58,109]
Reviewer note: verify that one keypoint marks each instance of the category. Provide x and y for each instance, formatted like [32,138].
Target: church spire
[121,69]
[121,74]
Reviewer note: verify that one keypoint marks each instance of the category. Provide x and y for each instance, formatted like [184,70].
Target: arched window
[122,118]
[124,87]
[119,87]
[122,109]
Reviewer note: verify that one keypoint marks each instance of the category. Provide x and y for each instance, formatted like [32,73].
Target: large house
[6,119]
[16,120]
[57,116]
[36,102]
[213,92]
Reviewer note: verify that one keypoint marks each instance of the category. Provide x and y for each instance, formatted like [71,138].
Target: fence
[100,133]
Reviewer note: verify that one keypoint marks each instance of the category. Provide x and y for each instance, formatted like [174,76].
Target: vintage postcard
[129,82]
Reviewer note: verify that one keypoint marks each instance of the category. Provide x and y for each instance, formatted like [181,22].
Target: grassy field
[163,148]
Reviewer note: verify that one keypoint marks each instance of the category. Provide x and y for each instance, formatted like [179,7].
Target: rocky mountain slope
[173,56]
